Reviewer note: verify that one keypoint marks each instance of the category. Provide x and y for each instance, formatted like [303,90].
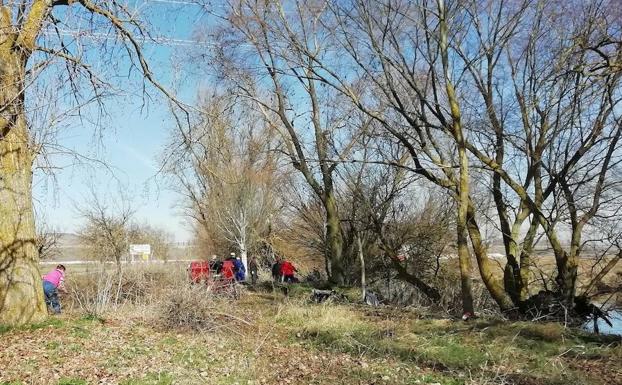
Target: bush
[94,293]
[447,282]
[91,294]
[197,308]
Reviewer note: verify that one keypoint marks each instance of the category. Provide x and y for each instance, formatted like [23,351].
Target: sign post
[140,252]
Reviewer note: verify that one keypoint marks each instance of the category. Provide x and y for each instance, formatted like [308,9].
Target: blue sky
[131,141]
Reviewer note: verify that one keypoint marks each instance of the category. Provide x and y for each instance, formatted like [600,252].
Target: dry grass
[160,330]
[96,293]
[197,308]
[544,270]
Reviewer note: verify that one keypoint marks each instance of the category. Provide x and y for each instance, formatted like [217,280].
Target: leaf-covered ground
[271,340]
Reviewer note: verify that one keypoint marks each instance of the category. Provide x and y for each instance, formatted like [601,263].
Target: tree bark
[21,291]
[334,240]
[362,261]
[494,286]
[244,255]
[463,184]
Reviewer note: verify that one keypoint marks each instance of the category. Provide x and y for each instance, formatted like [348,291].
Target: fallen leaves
[262,353]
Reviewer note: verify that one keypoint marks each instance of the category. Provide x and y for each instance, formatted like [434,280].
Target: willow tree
[526,93]
[37,37]
[395,62]
[254,56]
[226,167]
[548,129]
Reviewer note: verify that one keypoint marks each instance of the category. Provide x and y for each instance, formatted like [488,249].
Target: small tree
[106,228]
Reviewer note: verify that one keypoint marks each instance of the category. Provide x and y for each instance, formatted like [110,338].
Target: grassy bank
[267,339]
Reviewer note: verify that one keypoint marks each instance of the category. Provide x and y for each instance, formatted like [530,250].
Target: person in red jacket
[228,269]
[199,271]
[287,271]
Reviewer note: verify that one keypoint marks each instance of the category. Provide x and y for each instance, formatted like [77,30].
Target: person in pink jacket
[53,282]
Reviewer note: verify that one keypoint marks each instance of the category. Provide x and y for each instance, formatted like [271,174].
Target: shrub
[91,294]
[447,282]
[196,307]
[95,292]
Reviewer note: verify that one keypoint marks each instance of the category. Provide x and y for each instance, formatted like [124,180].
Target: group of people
[232,269]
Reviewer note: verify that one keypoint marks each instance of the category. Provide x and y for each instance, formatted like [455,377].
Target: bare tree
[305,225]
[445,80]
[107,228]
[562,145]
[387,215]
[227,168]
[566,131]
[311,120]
[349,52]
[34,40]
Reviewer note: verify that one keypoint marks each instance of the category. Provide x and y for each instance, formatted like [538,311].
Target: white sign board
[140,249]
[141,252]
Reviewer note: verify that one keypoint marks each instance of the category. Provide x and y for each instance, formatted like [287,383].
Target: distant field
[544,266]
[79,253]
[71,248]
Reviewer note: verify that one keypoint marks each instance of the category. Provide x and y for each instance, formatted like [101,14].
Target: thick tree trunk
[525,260]
[21,291]
[465,273]
[494,286]
[334,240]
[463,184]
[568,281]
[566,264]
[464,256]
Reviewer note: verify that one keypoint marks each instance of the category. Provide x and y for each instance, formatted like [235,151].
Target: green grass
[92,318]
[530,349]
[53,345]
[161,378]
[195,357]
[80,332]
[74,347]
[357,344]
[235,379]
[169,341]
[133,351]
[49,322]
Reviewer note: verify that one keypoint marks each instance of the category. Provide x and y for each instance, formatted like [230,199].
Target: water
[616,321]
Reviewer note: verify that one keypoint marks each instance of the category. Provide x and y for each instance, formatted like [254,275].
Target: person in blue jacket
[240,270]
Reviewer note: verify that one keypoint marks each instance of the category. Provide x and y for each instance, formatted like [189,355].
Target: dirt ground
[269,339]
